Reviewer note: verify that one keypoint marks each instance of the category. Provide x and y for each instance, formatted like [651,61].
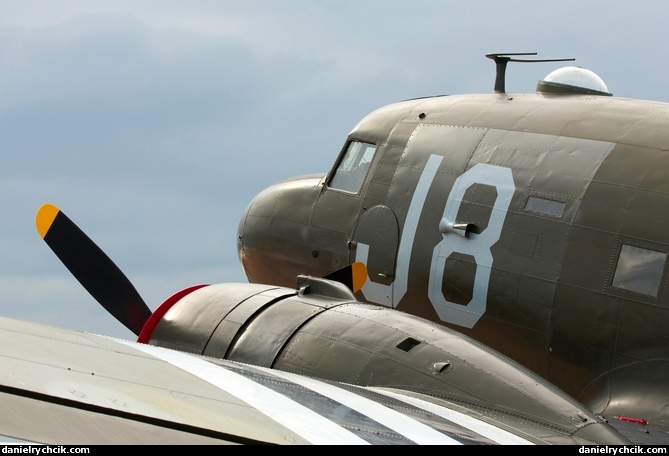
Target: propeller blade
[353,276]
[92,268]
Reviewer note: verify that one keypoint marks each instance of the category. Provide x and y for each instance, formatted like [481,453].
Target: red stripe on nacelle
[158,314]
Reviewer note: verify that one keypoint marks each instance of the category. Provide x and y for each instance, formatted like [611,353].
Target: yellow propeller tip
[358,275]
[45,217]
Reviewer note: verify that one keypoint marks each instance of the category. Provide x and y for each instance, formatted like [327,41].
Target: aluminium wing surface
[64,387]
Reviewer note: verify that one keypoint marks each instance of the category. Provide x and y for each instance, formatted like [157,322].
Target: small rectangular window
[639,270]
[545,206]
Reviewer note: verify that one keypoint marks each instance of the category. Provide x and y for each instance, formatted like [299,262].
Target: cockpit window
[352,169]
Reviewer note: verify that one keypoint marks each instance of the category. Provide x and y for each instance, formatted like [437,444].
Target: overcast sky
[152,124]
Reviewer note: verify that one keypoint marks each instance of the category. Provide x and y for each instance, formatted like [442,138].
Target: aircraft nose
[273,233]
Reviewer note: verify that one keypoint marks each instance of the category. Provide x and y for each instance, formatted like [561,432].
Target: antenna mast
[502,59]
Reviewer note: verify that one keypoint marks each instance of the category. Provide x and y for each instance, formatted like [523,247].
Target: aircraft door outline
[390,295]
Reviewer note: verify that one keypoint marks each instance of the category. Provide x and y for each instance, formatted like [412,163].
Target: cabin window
[352,169]
[545,206]
[639,270]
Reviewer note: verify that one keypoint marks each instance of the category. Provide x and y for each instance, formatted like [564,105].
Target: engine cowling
[320,330]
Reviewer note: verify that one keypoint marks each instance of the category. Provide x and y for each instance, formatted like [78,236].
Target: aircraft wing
[64,387]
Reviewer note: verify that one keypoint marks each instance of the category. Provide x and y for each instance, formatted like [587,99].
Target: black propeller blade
[92,268]
[353,276]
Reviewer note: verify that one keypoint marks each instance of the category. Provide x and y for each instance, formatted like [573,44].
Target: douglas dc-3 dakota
[474,269]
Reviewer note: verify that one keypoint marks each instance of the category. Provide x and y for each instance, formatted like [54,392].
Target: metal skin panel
[389,155]
[290,248]
[277,324]
[455,144]
[367,338]
[548,300]
[617,206]
[330,229]
[198,313]
[616,393]
[225,334]
[376,126]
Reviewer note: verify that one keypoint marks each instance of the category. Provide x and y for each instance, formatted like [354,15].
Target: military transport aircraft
[535,223]
[474,269]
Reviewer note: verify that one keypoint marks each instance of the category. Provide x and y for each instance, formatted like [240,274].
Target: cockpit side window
[352,169]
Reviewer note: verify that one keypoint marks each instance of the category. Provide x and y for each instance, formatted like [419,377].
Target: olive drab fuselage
[535,223]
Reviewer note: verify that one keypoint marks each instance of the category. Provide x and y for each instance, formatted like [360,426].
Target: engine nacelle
[320,330]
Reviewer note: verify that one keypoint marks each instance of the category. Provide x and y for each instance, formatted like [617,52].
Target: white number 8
[476,245]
